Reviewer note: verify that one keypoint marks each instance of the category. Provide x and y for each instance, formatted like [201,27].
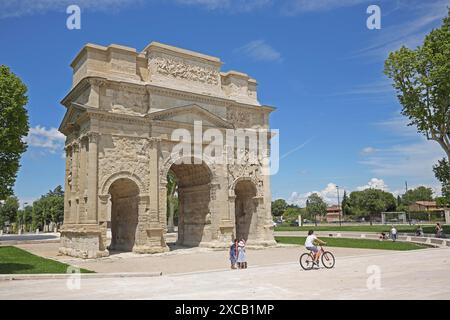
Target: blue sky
[315,61]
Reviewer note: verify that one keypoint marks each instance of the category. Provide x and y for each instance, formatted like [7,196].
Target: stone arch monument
[122,110]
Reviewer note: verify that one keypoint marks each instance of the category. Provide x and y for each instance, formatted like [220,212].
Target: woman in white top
[310,244]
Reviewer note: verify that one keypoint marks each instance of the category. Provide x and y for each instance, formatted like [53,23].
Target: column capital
[93,136]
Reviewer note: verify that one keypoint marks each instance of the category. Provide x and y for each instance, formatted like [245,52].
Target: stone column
[82,204]
[68,180]
[92,179]
[156,225]
[75,190]
[103,208]
[153,187]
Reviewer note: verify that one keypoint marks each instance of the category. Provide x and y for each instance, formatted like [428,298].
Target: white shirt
[393,231]
[310,240]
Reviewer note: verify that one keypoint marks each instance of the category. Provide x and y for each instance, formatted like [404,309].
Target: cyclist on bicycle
[311,244]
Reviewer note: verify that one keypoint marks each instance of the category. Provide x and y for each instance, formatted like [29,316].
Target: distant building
[424,206]
[333,213]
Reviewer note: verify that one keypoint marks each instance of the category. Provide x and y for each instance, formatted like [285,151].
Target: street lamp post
[339,206]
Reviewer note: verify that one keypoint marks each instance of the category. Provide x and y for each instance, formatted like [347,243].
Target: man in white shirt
[310,244]
[393,233]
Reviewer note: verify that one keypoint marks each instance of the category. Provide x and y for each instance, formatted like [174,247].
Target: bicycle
[307,259]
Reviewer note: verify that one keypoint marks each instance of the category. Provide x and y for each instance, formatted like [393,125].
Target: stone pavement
[418,274]
[182,260]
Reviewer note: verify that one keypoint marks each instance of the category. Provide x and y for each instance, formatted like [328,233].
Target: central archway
[194,217]
[124,214]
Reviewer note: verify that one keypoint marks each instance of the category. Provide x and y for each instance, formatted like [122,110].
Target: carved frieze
[240,118]
[247,168]
[125,155]
[180,69]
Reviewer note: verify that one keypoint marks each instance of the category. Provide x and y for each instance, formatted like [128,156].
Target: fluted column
[153,188]
[75,190]
[67,186]
[92,178]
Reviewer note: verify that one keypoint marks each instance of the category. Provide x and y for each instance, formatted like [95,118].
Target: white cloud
[230,5]
[49,139]
[328,194]
[374,183]
[18,8]
[259,50]
[293,7]
[368,150]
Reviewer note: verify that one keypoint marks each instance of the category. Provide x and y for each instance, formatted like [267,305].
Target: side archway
[124,194]
[245,206]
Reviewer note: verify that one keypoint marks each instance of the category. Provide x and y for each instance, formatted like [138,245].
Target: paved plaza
[274,274]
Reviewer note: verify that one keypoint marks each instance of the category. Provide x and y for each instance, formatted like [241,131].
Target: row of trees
[47,210]
[358,204]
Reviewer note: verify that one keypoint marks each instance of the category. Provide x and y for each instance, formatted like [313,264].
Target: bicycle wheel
[328,260]
[306,261]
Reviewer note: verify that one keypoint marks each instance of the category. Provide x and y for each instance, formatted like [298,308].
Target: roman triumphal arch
[127,115]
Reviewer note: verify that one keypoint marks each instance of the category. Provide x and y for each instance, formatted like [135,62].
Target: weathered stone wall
[121,112]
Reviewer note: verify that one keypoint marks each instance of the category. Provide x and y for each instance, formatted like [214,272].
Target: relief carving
[127,155]
[179,69]
[239,118]
[128,102]
[249,169]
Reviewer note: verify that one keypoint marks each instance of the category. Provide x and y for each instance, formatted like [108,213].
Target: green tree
[372,201]
[315,206]
[49,208]
[24,217]
[345,204]
[421,78]
[418,194]
[172,200]
[291,214]
[13,127]
[8,211]
[442,173]
[278,207]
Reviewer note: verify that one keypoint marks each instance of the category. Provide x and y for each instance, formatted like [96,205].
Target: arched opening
[193,212]
[245,209]
[124,214]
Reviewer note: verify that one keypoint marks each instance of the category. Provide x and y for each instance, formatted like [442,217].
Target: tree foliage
[9,210]
[49,208]
[279,206]
[316,206]
[13,127]
[422,81]
[421,78]
[172,200]
[371,201]
[442,173]
[292,213]
[418,194]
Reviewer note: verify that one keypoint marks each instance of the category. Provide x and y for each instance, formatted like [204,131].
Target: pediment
[188,114]
[69,121]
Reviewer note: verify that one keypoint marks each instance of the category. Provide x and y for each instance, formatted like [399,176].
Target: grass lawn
[17,261]
[365,228]
[356,243]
